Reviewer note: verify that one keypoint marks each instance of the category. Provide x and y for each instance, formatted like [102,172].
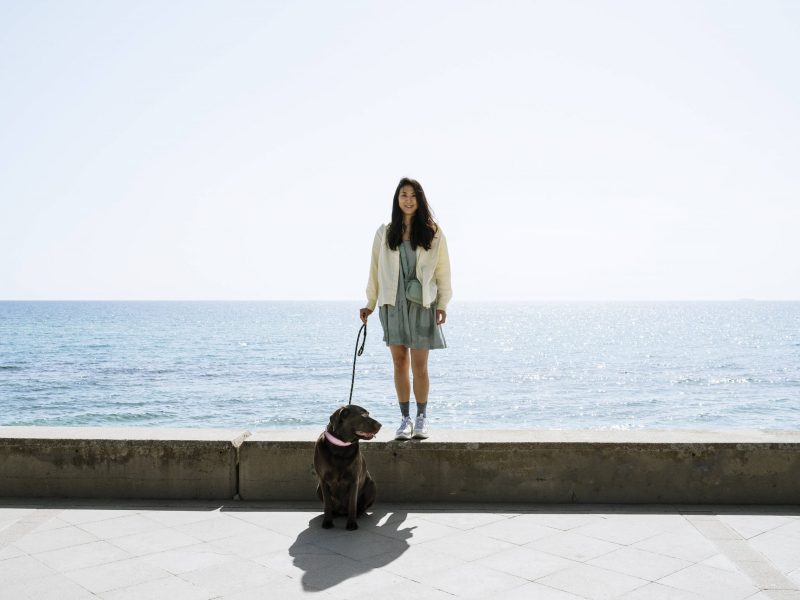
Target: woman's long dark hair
[423,227]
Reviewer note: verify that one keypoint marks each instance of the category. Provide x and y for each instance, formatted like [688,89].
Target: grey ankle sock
[421,409]
[404,408]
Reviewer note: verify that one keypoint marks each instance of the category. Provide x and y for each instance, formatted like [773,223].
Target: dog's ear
[337,416]
[334,419]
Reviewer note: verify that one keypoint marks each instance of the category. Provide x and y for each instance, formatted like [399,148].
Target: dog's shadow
[328,557]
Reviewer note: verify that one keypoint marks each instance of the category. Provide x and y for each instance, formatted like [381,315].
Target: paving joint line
[26,524]
[734,547]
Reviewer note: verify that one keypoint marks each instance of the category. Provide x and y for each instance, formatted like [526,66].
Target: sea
[508,365]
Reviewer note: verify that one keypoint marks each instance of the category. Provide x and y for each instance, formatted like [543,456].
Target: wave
[711,381]
[135,371]
[93,419]
[729,380]
[687,380]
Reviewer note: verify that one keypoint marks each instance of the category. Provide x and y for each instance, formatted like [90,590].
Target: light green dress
[409,323]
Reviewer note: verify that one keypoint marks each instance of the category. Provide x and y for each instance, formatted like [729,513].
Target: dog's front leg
[327,502]
[352,507]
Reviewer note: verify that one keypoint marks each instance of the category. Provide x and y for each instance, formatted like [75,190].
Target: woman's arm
[442,276]
[372,282]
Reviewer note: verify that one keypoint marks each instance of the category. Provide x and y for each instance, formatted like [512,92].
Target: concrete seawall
[100,462]
[738,467]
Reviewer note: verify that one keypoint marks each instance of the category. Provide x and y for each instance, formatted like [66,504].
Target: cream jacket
[433,271]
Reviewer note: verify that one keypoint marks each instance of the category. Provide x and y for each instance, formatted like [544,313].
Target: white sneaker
[421,427]
[405,430]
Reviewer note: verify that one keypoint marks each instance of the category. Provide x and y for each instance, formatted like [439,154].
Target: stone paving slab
[69,549]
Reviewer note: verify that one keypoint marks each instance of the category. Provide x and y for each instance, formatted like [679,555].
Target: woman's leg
[403,387]
[402,383]
[419,367]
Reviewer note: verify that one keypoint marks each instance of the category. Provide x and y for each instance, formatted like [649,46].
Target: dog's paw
[351,525]
[327,524]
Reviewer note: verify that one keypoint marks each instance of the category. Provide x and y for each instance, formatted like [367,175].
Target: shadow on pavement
[329,557]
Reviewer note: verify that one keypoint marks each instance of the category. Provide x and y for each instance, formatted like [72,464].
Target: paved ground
[70,550]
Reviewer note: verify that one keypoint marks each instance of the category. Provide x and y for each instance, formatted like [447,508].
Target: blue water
[722,365]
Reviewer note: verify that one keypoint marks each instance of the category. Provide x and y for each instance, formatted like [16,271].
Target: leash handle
[358,352]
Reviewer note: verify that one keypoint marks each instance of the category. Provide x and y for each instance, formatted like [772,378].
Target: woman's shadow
[328,557]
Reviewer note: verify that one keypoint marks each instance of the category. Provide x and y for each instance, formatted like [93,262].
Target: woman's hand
[441,317]
[364,313]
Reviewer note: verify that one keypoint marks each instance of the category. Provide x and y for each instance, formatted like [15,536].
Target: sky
[570,151]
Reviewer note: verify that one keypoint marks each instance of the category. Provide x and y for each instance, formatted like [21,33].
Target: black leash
[359,352]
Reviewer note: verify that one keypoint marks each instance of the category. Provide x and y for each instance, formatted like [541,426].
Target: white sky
[249,150]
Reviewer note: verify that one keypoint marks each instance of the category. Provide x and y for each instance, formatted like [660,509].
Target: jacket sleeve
[442,276]
[372,283]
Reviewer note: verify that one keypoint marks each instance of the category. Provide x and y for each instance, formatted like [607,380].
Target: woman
[411,247]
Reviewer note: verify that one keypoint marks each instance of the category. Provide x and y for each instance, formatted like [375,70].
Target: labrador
[345,486]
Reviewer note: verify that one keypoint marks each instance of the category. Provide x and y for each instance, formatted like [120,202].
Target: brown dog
[345,486]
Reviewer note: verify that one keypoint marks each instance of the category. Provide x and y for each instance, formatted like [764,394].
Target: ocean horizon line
[467,301]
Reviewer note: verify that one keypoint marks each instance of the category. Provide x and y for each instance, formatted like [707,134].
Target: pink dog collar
[334,440]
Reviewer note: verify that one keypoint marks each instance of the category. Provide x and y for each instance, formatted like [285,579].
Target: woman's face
[407,199]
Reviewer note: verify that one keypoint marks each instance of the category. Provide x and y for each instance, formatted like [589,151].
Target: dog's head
[352,423]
